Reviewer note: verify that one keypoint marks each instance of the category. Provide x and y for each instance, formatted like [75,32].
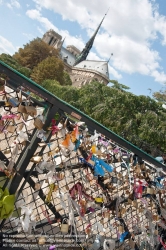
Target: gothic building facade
[81,70]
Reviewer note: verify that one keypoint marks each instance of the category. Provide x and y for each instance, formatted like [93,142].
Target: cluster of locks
[78,182]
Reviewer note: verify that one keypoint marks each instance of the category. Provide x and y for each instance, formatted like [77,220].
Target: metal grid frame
[49,216]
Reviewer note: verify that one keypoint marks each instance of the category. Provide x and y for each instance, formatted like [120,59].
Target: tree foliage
[139,119]
[117,85]
[66,79]
[160,96]
[49,68]
[9,60]
[34,52]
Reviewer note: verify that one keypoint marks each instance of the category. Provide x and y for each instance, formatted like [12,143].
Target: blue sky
[133,30]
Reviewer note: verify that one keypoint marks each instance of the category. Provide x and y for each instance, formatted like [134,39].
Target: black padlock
[4,159]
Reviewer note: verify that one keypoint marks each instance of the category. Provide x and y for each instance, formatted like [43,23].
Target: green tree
[50,68]
[66,79]
[160,95]
[139,119]
[34,52]
[118,85]
[9,60]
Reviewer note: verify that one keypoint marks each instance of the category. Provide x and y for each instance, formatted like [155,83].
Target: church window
[51,40]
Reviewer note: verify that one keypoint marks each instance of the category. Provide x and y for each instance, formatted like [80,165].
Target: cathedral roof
[67,56]
[99,66]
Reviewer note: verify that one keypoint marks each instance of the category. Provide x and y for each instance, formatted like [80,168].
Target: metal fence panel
[75,184]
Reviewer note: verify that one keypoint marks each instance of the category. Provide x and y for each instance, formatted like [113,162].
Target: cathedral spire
[83,55]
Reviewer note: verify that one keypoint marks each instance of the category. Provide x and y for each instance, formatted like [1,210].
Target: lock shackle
[65,220]
[7,108]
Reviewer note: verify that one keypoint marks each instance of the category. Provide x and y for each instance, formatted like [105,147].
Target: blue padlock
[13,102]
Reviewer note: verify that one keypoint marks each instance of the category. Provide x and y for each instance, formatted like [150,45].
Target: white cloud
[114,72]
[159,76]
[160,26]
[29,36]
[93,56]
[13,3]
[40,30]
[36,15]
[6,46]
[128,31]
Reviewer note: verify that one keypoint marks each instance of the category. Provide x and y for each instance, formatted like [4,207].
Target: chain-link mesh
[75,187]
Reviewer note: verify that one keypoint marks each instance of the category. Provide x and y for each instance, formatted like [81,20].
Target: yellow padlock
[99,200]
[7,104]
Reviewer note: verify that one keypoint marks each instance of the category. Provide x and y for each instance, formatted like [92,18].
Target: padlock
[99,200]
[64,226]
[109,244]
[114,179]
[155,217]
[150,191]
[156,232]
[36,159]
[132,244]
[21,109]
[42,240]
[91,162]
[60,175]
[88,230]
[135,204]
[2,165]
[11,128]
[129,201]
[102,221]
[137,170]
[57,150]
[2,87]
[13,102]
[121,229]
[120,175]
[30,110]
[106,214]
[141,210]
[123,211]
[37,186]
[1,125]
[51,152]
[38,122]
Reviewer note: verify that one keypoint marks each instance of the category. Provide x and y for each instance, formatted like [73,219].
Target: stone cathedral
[81,70]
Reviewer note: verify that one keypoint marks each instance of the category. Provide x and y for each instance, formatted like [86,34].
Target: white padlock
[109,244]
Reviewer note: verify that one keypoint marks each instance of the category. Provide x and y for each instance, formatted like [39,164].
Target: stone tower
[53,39]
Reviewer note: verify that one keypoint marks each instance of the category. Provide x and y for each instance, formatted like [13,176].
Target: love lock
[64,226]
[109,244]
[99,200]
